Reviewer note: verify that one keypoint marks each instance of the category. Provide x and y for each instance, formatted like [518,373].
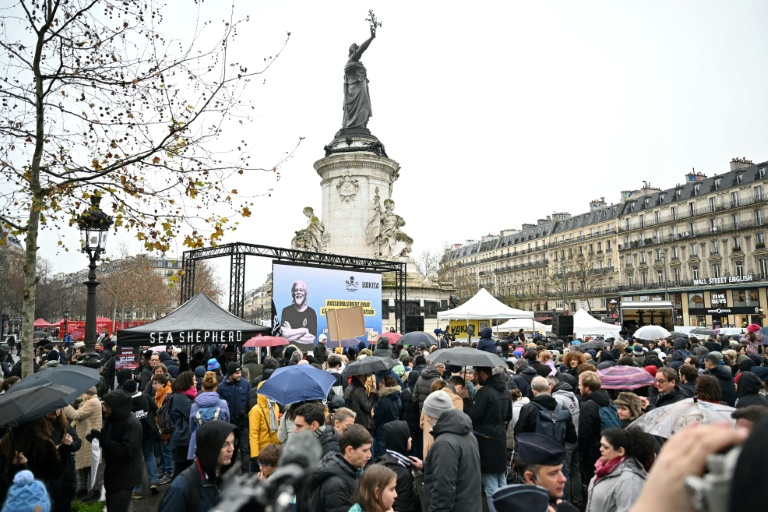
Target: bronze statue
[357,100]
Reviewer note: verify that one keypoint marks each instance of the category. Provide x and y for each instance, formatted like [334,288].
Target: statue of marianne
[357,101]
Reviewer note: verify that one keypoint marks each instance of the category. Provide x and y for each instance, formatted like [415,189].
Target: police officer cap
[521,498]
[539,449]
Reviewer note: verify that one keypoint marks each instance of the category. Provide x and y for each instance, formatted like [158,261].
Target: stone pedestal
[353,168]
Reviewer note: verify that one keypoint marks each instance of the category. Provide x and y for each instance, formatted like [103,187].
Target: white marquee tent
[483,306]
[585,324]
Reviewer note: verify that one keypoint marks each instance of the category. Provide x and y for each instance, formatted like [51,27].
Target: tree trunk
[38,196]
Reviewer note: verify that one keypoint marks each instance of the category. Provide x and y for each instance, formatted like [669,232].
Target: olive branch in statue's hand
[371,19]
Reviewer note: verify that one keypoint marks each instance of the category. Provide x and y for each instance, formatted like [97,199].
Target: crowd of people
[421,436]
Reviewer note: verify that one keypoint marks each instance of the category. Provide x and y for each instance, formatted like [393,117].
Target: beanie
[213,365]
[753,328]
[436,404]
[232,368]
[123,375]
[131,386]
[651,369]
[27,494]
[200,371]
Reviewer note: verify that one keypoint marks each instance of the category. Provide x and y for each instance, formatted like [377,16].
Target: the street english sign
[189,337]
[723,280]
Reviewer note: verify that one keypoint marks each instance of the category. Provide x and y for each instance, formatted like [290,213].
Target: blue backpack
[206,414]
[609,417]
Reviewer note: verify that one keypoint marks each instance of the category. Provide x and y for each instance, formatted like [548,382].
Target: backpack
[609,417]
[553,424]
[206,414]
[164,421]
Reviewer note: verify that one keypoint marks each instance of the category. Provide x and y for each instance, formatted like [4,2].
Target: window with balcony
[760,240]
[695,272]
[759,217]
[644,278]
[713,225]
[676,275]
[599,246]
[675,253]
[735,198]
[629,281]
[673,212]
[691,229]
[714,247]
[711,204]
[660,277]
[735,221]
[739,265]
[608,245]
[716,270]
[626,223]
[758,190]
[641,221]
[692,209]
[762,266]
[642,258]
[737,242]
[656,217]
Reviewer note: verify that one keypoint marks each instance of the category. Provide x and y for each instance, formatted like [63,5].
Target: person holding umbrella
[88,417]
[361,400]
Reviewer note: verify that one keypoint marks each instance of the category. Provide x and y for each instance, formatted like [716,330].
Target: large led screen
[301,295]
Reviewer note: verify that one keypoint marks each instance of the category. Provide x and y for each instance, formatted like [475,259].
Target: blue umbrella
[297,383]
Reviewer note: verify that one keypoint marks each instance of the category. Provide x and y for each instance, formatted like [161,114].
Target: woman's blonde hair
[210,382]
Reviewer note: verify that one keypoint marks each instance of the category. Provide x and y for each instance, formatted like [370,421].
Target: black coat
[670,398]
[452,467]
[749,391]
[523,381]
[725,379]
[63,488]
[589,430]
[407,499]
[490,413]
[542,369]
[121,444]
[333,484]
[422,387]
[410,412]
[356,399]
[387,409]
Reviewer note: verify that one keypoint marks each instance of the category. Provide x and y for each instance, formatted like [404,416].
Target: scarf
[273,423]
[605,467]
[191,393]
[401,459]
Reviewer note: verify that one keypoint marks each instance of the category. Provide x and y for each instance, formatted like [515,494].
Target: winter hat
[200,371]
[638,350]
[123,375]
[632,402]
[753,328]
[232,368]
[651,369]
[575,343]
[737,378]
[53,356]
[213,365]
[486,332]
[131,386]
[48,346]
[27,494]
[436,404]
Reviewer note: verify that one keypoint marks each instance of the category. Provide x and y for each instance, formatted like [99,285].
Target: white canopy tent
[585,324]
[484,306]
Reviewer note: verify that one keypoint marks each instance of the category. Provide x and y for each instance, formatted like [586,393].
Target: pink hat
[737,377]
[753,328]
[651,369]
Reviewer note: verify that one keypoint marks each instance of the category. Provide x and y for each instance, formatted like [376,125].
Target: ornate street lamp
[66,323]
[94,225]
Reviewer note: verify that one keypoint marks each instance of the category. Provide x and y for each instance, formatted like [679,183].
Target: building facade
[701,244]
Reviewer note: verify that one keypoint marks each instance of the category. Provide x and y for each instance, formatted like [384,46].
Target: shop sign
[723,311]
[718,299]
[723,280]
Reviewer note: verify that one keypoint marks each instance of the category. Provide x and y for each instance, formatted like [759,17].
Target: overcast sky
[498,112]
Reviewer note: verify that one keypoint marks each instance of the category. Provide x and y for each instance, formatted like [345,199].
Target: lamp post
[663,255]
[66,322]
[94,225]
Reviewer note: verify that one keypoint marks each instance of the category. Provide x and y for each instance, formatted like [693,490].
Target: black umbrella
[703,331]
[415,338]
[465,356]
[593,345]
[79,378]
[26,405]
[370,364]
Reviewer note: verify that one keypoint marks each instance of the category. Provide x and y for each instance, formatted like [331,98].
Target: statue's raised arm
[357,101]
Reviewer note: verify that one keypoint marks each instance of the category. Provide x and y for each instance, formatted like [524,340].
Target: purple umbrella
[625,377]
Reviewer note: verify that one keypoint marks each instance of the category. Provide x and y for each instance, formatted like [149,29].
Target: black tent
[198,321]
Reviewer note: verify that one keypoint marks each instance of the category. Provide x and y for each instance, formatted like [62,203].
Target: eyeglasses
[661,381]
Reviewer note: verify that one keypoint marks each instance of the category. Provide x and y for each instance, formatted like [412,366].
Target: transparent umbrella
[651,332]
[667,420]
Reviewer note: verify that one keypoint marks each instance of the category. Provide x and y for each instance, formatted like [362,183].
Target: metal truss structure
[237,253]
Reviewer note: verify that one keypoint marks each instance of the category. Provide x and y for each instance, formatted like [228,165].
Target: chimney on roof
[738,164]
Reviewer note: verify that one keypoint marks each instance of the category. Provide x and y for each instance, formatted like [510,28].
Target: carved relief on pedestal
[383,231]
[313,237]
[347,187]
